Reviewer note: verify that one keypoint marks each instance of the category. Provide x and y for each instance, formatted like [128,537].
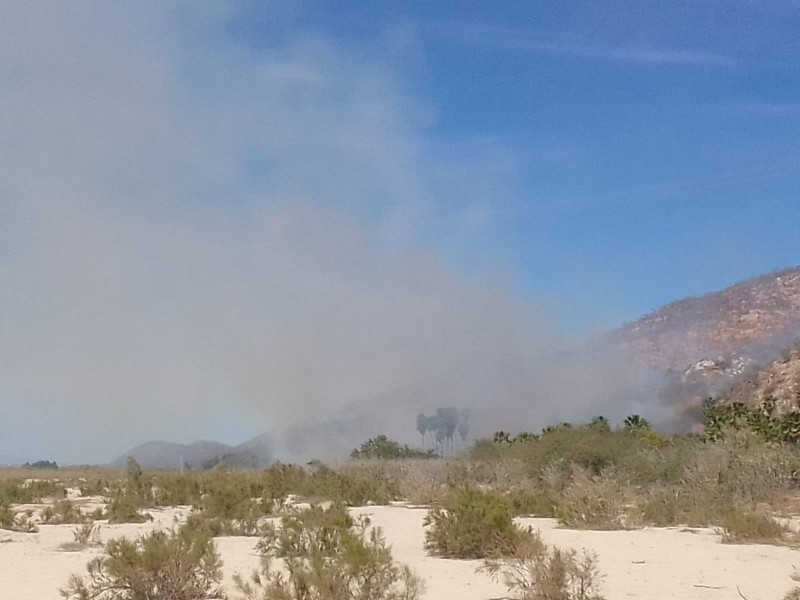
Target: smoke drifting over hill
[197,243]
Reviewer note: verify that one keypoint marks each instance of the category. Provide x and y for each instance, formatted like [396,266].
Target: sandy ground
[651,564]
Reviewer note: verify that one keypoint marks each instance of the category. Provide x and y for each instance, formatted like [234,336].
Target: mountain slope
[780,379]
[758,318]
[167,455]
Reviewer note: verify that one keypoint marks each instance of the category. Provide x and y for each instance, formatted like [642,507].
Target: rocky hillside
[780,379]
[751,321]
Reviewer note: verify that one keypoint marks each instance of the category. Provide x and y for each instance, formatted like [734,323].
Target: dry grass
[536,571]
[86,536]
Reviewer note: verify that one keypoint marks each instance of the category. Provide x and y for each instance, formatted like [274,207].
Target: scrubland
[576,512]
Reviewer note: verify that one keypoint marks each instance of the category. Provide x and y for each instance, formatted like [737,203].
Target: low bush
[794,593]
[474,524]
[593,502]
[21,521]
[125,507]
[6,515]
[740,527]
[62,512]
[536,571]
[536,503]
[220,526]
[384,448]
[328,555]
[174,565]
[86,536]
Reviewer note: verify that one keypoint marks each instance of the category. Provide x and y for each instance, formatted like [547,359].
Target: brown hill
[781,380]
[756,318]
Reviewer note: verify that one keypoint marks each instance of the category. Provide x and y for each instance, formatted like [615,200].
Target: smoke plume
[202,240]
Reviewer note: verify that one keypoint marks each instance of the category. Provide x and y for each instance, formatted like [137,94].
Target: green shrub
[474,525]
[174,565]
[329,555]
[535,571]
[125,507]
[220,526]
[354,487]
[381,447]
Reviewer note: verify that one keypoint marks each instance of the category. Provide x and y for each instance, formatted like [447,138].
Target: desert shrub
[355,487]
[794,593]
[174,565]
[220,526]
[538,503]
[20,521]
[6,515]
[125,507]
[421,482]
[329,555]
[85,536]
[95,486]
[177,489]
[752,527]
[484,450]
[62,512]
[474,524]
[127,500]
[382,447]
[37,490]
[18,491]
[592,449]
[593,502]
[232,499]
[691,506]
[536,571]
[280,480]
[680,480]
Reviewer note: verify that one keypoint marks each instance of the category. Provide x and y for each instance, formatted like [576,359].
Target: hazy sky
[217,218]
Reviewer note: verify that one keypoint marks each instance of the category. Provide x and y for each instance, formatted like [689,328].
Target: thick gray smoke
[197,241]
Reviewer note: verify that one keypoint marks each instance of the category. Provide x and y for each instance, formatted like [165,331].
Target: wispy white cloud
[567,44]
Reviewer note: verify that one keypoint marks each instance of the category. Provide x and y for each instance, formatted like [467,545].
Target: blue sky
[235,215]
[646,150]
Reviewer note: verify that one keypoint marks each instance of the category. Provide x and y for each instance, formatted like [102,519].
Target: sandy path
[652,564]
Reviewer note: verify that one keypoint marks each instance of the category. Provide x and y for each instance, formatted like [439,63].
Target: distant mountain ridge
[197,455]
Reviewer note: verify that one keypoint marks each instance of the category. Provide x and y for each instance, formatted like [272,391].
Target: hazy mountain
[167,455]
[253,453]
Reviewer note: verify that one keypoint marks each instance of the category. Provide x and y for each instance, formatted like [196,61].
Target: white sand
[651,564]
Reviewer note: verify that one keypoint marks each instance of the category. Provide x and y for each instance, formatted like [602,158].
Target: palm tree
[422,426]
[634,423]
[599,423]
